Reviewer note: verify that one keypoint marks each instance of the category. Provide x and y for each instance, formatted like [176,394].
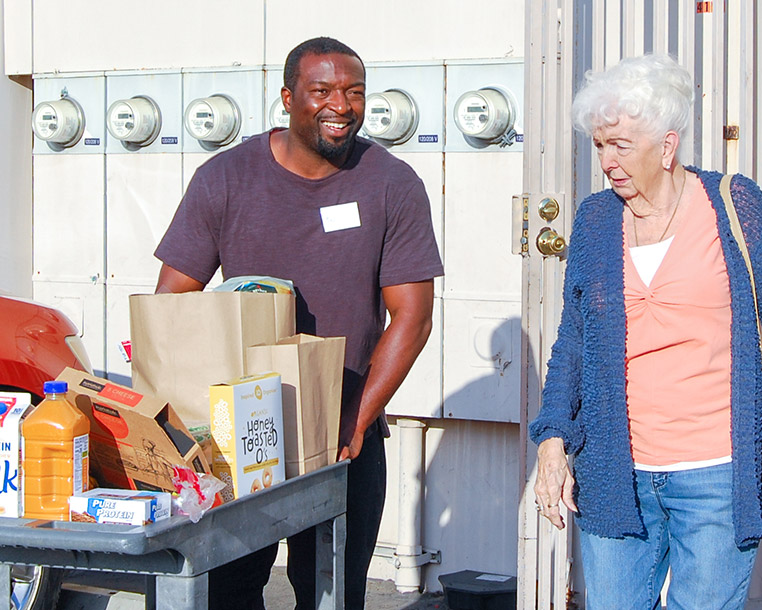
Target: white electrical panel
[485,106]
[68,114]
[404,107]
[429,170]
[83,303]
[482,363]
[420,395]
[118,366]
[68,218]
[144,112]
[143,194]
[221,108]
[276,115]
[478,260]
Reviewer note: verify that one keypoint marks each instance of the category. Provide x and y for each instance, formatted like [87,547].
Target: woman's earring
[667,166]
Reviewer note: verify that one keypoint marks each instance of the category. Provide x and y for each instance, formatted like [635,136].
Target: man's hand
[352,450]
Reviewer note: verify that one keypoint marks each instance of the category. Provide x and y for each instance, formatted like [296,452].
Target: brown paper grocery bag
[183,343]
[311,370]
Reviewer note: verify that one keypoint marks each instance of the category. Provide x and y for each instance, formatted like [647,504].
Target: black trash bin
[472,590]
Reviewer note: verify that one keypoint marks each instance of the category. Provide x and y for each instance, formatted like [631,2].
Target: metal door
[716,42]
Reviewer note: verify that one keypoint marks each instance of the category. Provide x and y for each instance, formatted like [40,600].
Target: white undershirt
[647,260]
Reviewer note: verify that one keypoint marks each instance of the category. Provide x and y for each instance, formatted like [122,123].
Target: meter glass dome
[60,123]
[485,114]
[135,121]
[214,121]
[391,116]
[278,115]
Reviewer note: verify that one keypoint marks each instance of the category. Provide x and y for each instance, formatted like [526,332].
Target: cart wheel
[35,587]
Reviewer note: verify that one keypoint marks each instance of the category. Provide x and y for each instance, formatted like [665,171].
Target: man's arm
[410,307]
[172,280]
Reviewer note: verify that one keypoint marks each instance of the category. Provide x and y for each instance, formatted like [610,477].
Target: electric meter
[391,116]
[60,123]
[278,115]
[214,121]
[136,121]
[486,114]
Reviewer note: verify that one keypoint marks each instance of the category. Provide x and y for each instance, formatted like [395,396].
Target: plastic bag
[256,283]
[197,493]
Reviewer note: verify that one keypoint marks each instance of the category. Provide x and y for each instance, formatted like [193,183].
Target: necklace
[669,223]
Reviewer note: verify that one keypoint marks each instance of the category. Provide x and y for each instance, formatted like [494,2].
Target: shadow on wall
[472,486]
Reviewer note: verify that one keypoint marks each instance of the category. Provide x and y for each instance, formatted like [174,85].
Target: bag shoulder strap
[735,227]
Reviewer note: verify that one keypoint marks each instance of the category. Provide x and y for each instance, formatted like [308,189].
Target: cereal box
[247,434]
[13,407]
[120,506]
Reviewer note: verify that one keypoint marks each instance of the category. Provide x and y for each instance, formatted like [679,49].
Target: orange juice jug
[55,454]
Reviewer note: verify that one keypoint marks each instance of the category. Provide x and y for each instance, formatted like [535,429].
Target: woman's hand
[554,481]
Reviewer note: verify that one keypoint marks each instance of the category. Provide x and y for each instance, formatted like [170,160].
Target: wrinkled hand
[555,482]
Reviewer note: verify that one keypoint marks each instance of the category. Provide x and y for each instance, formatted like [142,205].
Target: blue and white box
[125,506]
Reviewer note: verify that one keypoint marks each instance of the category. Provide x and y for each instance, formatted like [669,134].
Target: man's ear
[285,96]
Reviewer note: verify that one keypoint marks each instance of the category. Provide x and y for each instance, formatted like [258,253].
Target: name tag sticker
[341,216]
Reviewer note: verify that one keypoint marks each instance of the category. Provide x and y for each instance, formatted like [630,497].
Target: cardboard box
[135,440]
[247,434]
[120,506]
[14,406]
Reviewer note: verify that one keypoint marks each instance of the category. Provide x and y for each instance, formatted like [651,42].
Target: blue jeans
[688,516]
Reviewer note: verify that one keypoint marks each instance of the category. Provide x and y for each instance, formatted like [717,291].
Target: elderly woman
[655,381]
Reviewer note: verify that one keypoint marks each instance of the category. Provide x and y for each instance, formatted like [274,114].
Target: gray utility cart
[179,553]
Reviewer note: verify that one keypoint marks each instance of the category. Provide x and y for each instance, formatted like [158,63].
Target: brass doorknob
[549,209]
[549,242]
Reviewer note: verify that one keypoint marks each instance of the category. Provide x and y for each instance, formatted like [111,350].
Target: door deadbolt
[549,242]
[549,209]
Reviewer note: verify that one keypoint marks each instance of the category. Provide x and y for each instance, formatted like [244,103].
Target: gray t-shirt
[246,212]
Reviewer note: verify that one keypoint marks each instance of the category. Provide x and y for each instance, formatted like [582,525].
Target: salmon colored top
[678,347]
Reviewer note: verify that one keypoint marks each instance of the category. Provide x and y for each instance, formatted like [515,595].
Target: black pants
[239,585]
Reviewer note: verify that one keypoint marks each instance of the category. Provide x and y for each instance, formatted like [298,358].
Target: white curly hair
[653,90]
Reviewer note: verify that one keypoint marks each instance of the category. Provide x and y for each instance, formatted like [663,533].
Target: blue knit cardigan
[584,399]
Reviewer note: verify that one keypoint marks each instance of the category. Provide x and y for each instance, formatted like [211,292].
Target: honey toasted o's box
[247,434]
[13,407]
[120,506]
[135,439]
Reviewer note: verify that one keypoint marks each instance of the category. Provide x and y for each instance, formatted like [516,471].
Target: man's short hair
[314,46]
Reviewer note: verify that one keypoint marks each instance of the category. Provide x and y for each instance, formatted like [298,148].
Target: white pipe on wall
[409,551]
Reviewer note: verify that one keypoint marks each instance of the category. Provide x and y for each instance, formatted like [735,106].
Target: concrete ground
[81,594]
[88,593]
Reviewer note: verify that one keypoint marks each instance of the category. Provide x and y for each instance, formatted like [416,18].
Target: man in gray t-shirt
[350,225]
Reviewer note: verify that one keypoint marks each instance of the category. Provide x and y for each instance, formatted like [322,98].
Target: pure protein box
[123,506]
[13,407]
[247,434]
